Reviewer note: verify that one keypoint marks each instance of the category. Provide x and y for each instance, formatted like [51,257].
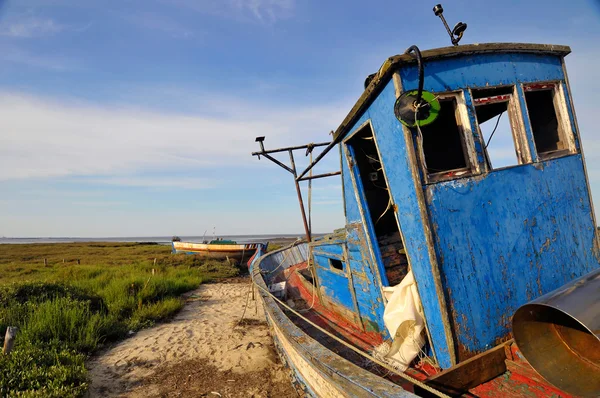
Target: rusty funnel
[559,334]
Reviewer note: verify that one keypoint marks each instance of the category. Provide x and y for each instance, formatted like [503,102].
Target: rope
[406,377]
[421,152]
[284,258]
[314,292]
[246,305]
[495,127]
[389,206]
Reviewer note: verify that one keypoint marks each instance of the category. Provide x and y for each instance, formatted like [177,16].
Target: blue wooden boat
[463,269]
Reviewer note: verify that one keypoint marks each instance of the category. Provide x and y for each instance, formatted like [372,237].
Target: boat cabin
[483,198]
[488,216]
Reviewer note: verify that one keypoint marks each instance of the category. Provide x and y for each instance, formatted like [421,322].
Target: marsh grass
[65,311]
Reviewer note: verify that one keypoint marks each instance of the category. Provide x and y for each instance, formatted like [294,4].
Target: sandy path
[199,353]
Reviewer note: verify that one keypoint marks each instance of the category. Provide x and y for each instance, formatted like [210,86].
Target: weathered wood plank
[472,372]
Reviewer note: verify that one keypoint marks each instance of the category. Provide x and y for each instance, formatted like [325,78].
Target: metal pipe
[290,148]
[306,229]
[318,158]
[278,163]
[314,177]
[559,335]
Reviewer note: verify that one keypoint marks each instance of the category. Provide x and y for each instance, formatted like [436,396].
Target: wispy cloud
[161,24]
[264,11]
[30,27]
[47,138]
[158,182]
[100,203]
[49,62]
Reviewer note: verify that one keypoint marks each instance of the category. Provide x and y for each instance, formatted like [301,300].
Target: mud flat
[204,351]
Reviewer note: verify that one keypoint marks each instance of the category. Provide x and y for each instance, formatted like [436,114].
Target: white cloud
[44,138]
[31,27]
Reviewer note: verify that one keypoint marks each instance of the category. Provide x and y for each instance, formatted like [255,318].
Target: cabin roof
[392,63]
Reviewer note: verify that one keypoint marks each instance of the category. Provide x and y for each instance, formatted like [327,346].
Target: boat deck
[500,372]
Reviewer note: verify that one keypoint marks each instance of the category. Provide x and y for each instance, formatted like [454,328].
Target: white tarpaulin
[403,318]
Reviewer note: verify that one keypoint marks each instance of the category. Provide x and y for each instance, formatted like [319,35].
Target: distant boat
[220,249]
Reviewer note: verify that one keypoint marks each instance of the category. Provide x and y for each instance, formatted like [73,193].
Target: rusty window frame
[565,128]
[463,124]
[515,118]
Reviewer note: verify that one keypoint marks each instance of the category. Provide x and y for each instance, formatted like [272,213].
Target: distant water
[158,239]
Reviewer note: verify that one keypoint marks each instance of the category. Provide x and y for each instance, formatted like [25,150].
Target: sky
[138,117]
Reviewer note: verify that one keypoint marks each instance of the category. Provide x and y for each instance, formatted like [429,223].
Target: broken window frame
[463,122]
[565,129]
[515,118]
[332,264]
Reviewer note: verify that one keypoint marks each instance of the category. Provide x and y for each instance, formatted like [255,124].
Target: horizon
[139,117]
[155,236]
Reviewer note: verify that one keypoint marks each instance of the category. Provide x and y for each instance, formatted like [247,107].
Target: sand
[203,351]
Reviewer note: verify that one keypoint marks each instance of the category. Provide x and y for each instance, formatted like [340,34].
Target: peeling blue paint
[508,238]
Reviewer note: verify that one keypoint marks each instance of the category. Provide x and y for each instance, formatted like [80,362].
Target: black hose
[417,52]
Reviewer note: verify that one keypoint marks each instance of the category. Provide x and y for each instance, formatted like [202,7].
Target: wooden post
[152,271]
[9,339]
[78,261]
[154,265]
[45,261]
[63,260]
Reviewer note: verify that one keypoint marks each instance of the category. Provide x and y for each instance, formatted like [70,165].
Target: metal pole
[318,158]
[262,148]
[314,177]
[306,229]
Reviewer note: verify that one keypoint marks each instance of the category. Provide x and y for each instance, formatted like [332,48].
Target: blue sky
[137,117]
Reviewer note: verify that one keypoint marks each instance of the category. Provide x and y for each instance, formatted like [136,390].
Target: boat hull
[237,252]
[317,370]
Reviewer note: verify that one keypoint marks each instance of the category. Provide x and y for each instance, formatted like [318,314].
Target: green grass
[65,310]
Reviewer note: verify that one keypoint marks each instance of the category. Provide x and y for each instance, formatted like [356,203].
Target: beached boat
[220,249]
[457,273]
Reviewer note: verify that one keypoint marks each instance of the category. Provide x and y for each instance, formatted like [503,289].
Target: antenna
[457,32]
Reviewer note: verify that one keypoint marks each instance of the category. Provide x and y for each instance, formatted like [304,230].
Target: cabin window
[336,264]
[499,126]
[444,142]
[549,123]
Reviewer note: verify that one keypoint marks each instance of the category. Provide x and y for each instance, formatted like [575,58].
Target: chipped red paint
[256,253]
[514,384]
[542,86]
[346,327]
[519,380]
[492,99]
